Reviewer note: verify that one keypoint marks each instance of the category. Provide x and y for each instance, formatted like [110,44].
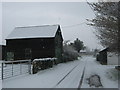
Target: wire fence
[14,68]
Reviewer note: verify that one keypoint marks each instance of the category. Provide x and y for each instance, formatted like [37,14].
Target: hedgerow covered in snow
[69,53]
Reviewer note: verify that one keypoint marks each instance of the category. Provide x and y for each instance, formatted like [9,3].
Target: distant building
[35,42]
[102,56]
[82,52]
[85,52]
[106,56]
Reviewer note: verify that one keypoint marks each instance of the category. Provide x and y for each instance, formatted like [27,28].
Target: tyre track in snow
[65,76]
[81,80]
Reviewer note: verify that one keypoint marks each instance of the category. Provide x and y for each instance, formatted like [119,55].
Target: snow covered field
[67,75]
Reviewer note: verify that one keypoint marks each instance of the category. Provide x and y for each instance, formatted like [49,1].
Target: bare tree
[106,23]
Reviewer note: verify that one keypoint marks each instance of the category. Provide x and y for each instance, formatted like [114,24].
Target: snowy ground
[67,75]
[107,73]
[0,84]
[0,71]
[0,78]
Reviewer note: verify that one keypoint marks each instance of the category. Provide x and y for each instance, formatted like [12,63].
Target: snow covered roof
[33,32]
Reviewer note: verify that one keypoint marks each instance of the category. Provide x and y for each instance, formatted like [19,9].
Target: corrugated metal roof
[44,31]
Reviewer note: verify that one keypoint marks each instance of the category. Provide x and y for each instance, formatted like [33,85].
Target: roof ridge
[37,26]
[34,31]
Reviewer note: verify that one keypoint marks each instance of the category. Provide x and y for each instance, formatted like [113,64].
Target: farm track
[83,73]
[65,76]
[81,80]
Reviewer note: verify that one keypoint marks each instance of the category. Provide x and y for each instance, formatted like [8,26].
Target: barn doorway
[28,53]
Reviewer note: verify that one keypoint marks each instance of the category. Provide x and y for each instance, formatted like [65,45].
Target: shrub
[69,53]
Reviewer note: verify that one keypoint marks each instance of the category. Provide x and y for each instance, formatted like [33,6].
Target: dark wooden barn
[35,42]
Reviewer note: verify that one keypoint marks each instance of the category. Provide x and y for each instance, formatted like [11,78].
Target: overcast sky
[70,15]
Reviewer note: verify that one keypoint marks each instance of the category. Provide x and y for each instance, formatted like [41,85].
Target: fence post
[29,69]
[2,71]
[20,68]
[12,68]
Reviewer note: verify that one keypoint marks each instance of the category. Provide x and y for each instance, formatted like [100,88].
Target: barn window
[10,55]
[28,52]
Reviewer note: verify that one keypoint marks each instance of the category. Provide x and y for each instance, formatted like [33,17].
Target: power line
[73,25]
[82,22]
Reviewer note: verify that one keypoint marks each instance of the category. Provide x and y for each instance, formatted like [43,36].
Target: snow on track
[73,79]
[44,79]
[95,68]
[67,75]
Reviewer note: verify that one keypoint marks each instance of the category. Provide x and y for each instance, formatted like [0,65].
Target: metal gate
[15,68]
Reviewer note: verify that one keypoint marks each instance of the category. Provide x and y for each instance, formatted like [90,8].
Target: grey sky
[40,13]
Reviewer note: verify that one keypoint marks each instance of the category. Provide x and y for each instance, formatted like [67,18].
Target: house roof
[44,31]
[106,49]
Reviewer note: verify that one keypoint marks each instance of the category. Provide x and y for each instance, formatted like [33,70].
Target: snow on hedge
[45,59]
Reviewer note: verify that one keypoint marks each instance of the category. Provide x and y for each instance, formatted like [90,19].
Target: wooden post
[20,68]
[12,68]
[2,71]
[29,67]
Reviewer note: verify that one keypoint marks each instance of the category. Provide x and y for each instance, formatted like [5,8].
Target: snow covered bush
[69,53]
[42,63]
